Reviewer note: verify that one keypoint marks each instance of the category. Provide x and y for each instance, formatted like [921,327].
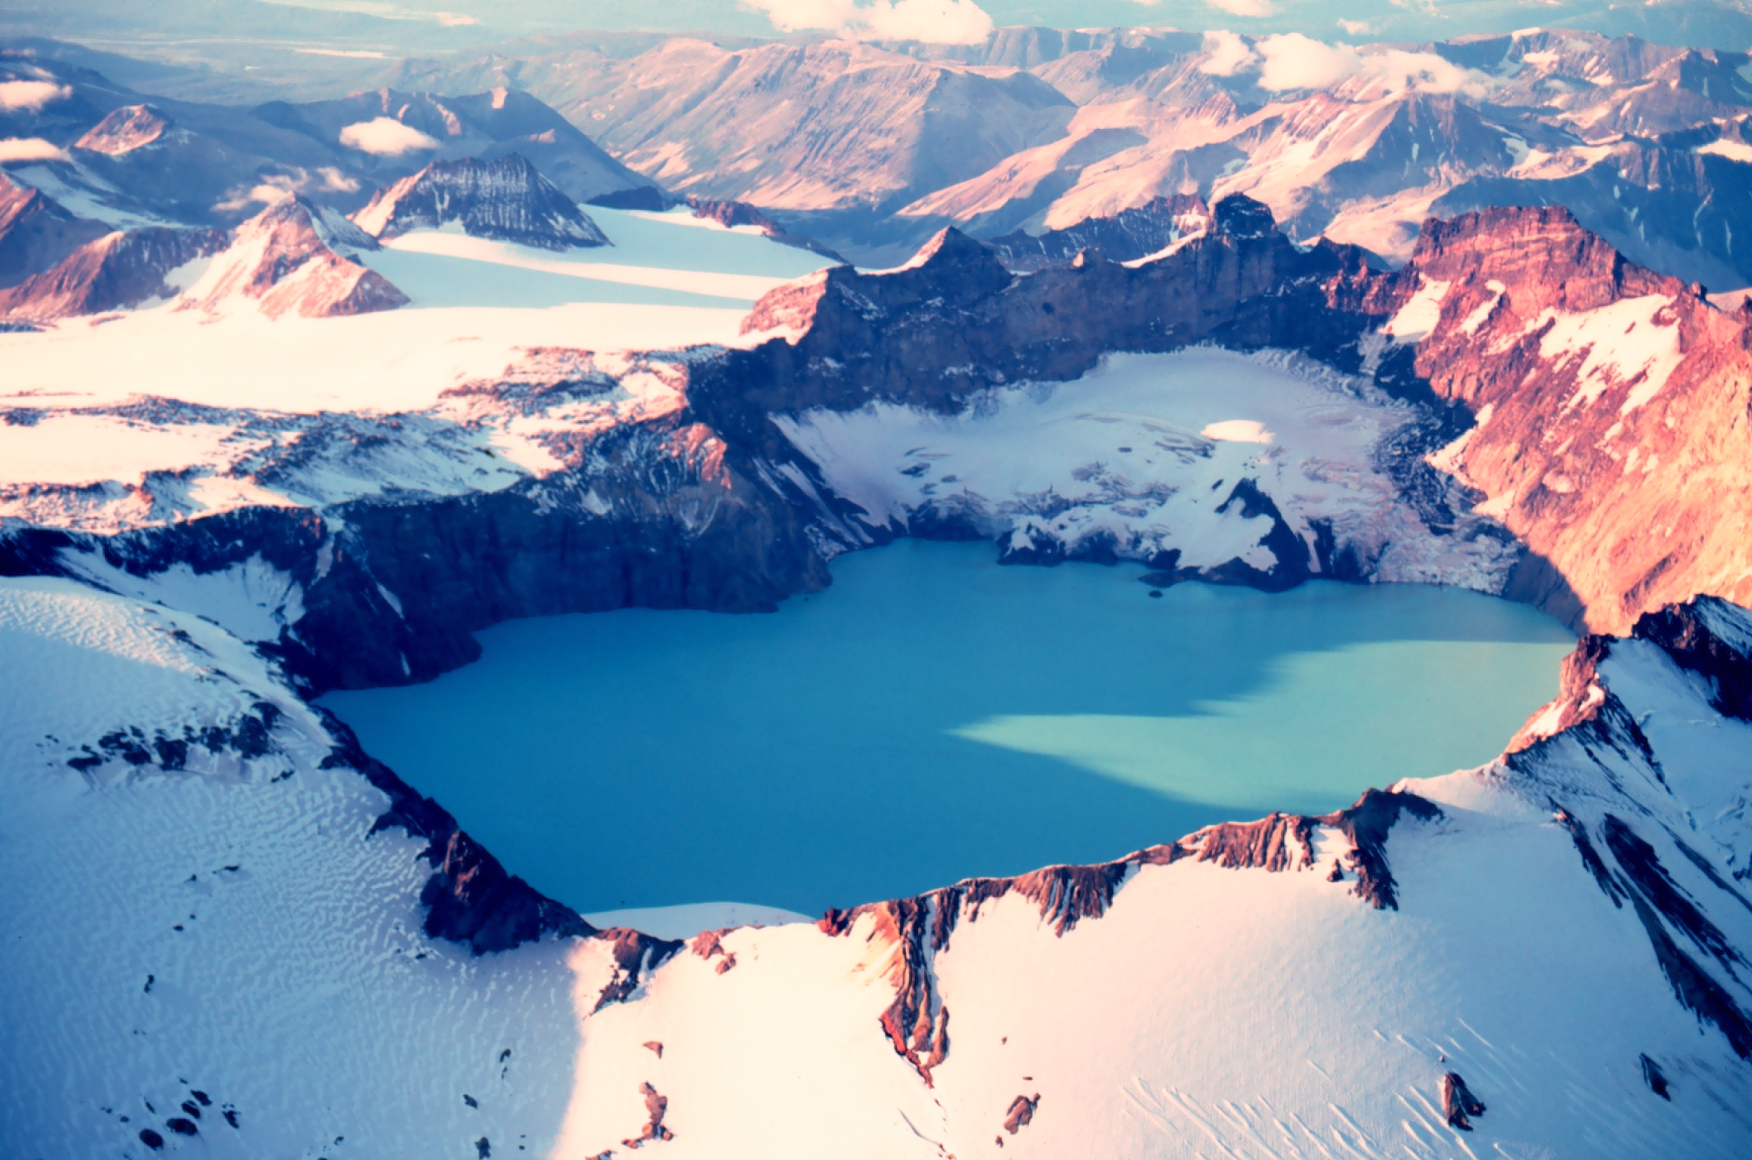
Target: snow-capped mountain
[126,158]
[505,198]
[292,257]
[1039,130]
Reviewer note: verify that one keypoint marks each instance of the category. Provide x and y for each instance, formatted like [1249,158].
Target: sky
[1702,22]
[412,24]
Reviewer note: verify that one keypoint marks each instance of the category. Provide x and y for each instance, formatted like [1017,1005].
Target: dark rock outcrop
[506,199]
[1653,1076]
[1021,1113]
[37,233]
[656,1107]
[469,897]
[1459,1105]
[115,272]
[1691,634]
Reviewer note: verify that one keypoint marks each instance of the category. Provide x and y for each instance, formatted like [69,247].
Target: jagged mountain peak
[283,260]
[124,130]
[505,198]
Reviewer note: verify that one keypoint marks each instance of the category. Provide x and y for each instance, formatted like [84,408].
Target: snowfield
[1144,453]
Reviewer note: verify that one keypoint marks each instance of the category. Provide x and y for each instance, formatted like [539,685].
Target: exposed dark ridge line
[1709,871]
[1639,862]
[1590,857]
[1680,631]
[469,897]
[1693,986]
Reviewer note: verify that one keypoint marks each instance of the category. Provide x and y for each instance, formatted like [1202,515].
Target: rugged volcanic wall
[1614,410]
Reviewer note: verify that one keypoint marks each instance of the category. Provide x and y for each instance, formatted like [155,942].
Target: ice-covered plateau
[1547,955]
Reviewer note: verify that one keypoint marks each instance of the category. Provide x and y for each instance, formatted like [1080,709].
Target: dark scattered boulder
[151,1139]
[1021,1113]
[181,1126]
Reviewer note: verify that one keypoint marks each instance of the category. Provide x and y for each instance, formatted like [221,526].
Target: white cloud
[30,96]
[936,21]
[385,137]
[1243,7]
[1292,61]
[1227,54]
[30,149]
[279,187]
[1357,27]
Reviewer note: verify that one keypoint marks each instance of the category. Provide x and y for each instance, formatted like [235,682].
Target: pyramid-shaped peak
[125,130]
[505,198]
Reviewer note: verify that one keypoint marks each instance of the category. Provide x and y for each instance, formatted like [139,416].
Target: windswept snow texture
[1145,455]
[216,920]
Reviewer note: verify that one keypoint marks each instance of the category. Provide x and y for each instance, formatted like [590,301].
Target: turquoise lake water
[934,716]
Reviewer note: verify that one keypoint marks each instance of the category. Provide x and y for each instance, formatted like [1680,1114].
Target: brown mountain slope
[1614,417]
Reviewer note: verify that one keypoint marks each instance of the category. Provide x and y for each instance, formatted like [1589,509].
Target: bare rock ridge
[892,336]
[740,213]
[37,233]
[917,1022]
[506,199]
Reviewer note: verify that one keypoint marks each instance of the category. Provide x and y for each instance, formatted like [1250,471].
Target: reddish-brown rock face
[36,233]
[1614,430]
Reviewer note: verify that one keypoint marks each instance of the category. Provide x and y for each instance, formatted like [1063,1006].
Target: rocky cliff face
[117,271]
[281,260]
[1613,430]
[37,233]
[505,199]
